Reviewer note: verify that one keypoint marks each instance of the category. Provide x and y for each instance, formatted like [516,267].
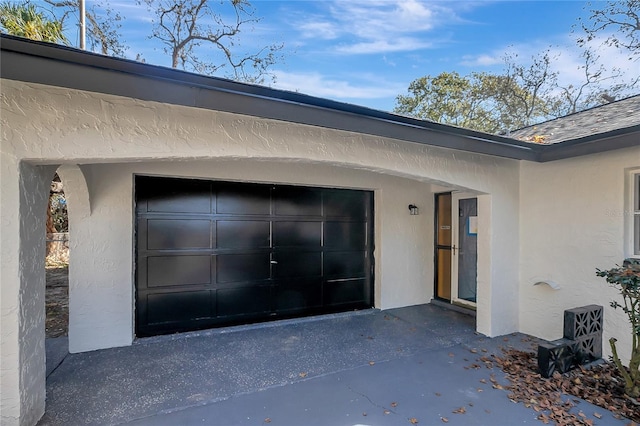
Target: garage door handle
[274,262]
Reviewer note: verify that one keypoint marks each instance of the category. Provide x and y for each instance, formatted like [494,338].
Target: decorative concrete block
[557,356]
[588,348]
[582,342]
[582,322]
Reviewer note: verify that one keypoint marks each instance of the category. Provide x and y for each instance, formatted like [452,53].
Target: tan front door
[443,246]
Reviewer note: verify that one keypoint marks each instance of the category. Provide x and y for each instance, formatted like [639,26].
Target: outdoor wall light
[413,210]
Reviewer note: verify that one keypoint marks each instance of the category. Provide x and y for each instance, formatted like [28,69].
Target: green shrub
[626,279]
[59,214]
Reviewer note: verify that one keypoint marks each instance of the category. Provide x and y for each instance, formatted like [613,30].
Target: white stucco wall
[102,267]
[572,221]
[42,125]
[24,191]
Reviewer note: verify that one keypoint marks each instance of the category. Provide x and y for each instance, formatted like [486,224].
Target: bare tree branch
[104,25]
[619,21]
[202,39]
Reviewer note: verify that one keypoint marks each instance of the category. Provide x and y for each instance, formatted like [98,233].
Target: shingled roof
[601,119]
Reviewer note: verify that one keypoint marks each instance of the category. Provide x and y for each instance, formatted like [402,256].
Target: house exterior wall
[24,194]
[404,276]
[572,221]
[42,125]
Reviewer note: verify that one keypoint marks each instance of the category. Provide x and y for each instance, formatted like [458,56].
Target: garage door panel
[345,264]
[233,234]
[345,235]
[174,195]
[292,264]
[166,271]
[292,201]
[222,253]
[178,307]
[344,292]
[175,234]
[297,233]
[243,199]
[298,295]
[349,204]
[237,268]
[233,302]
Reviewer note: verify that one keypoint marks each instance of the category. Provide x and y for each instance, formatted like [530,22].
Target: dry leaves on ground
[600,385]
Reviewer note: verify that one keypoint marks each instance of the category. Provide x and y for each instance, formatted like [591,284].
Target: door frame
[456,196]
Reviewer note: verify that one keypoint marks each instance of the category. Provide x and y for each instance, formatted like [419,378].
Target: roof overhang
[54,65]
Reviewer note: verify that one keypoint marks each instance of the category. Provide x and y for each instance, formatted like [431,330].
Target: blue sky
[366,52]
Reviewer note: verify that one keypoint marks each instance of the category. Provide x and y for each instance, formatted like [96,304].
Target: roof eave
[25,60]
[593,144]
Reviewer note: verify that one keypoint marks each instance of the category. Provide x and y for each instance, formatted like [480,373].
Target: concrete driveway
[372,367]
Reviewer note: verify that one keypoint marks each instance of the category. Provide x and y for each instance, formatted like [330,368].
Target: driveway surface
[396,367]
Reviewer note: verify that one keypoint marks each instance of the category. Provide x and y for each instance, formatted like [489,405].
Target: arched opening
[56,276]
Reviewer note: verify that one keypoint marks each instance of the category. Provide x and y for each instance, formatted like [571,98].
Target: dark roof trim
[50,64]
[592,144]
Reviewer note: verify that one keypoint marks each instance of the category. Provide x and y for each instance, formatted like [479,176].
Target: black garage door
[218,253]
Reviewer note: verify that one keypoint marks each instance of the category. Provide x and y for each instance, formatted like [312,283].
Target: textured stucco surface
[572,221]
[403,277]
[24,193]
[111,138]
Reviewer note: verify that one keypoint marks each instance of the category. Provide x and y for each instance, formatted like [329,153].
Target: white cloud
[483,60]
[319,30]
[377,26]
[129,10]
[388,61]
[398,45]
[316,84]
